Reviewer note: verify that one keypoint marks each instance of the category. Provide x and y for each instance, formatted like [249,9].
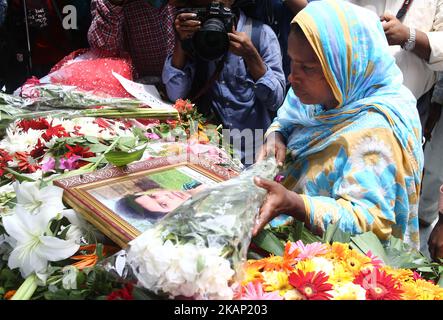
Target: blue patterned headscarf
[352,48]
[360,163]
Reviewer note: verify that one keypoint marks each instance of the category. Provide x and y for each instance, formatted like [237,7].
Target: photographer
[241,88]
[142,28]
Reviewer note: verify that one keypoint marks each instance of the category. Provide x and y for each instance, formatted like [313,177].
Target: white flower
[34,200]
[348,291]
[322,264]
[69,280]
[371,153]
[179,269]
[19,141]
[34,248]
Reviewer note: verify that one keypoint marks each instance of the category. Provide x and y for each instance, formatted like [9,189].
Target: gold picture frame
[122,202]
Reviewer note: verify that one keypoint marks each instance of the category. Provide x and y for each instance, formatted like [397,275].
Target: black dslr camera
[211,42]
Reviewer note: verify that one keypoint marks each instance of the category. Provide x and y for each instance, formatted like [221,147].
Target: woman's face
[306,77]
[162,200]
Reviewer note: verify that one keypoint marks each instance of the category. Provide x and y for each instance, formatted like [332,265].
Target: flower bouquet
[197,250]
[319,271]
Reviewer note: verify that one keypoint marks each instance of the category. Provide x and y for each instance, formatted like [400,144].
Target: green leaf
[369,241]
[127,142]
[98,148]
[121,158]
[254,255]
[92,139]
[269,242]
[335,234]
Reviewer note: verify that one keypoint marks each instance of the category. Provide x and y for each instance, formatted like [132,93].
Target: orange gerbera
[338,251]
[355,262]
[90,258]
[399,274]
[421,290]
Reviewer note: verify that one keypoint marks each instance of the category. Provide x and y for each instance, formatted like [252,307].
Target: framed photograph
[124,202]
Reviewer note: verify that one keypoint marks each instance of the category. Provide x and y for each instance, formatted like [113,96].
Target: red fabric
[93,73]
[145,32]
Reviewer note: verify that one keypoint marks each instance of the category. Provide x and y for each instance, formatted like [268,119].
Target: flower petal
[55,249]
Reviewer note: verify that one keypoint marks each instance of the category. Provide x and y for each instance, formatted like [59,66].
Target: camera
[211,42]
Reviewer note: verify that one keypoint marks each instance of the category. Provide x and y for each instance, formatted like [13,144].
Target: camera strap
[404,9]
[211,80]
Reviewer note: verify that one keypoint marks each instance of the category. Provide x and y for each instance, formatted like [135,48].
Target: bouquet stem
[27,288]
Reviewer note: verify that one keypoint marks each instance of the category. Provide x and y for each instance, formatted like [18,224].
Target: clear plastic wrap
[197,251]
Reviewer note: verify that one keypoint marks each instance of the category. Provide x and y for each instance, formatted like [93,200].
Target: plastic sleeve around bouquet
[195,250]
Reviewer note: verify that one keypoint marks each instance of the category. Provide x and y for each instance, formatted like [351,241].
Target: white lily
[35,246]
[47,200]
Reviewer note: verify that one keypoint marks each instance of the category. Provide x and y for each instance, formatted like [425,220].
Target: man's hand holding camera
[241,45]
[186,24]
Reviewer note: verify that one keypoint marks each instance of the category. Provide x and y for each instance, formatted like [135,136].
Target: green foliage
[122,158]
[269,242]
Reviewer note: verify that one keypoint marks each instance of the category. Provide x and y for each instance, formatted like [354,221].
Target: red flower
[38,124]
[4,159]
[26,163]
[183,106]
[312,285]
[39,150]
[123,294]
[78,150]
[147,122]
[172,123]
[379,285]
[102,123]
[57,131]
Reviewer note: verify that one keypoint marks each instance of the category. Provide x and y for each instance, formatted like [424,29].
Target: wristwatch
[410,44]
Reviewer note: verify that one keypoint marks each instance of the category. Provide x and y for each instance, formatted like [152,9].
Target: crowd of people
[351,90]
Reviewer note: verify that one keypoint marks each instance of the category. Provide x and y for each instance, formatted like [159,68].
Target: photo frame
[122,202]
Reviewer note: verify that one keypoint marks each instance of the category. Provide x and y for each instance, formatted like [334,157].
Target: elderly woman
[351,126]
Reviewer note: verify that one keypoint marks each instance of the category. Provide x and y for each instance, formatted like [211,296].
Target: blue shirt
[3,9]
[240,101]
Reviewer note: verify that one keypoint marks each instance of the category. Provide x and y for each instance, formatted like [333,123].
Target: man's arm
[106,30]
[264,65]
[428,43]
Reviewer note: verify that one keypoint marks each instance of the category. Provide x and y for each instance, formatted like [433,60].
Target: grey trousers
[432,178]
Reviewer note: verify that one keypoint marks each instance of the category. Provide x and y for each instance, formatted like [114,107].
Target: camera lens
[211,41]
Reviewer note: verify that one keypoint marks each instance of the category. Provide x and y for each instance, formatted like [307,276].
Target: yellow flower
[355,262]
[338,251]
[421,290]
[305,266]
[251,274]
[276,281]
[340,274]
[401,275]
[349,291]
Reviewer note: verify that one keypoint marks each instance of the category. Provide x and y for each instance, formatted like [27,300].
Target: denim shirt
[240,101]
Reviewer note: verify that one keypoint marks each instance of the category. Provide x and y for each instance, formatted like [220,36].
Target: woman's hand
[274,145]
[279,200]
[186,25]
